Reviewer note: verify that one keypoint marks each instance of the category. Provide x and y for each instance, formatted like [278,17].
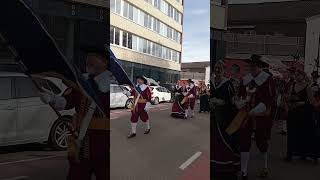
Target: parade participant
[204,99]
[141,106]
[302,135]
[92,157]
[256,93]
[191,94]
[226,157]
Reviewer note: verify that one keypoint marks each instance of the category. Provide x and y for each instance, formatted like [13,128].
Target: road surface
[176,149]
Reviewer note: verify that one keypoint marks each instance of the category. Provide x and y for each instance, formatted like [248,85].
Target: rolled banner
[184,100]
[236,123]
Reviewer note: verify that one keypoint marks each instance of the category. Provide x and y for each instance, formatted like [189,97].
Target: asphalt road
[280,170]
[176,149]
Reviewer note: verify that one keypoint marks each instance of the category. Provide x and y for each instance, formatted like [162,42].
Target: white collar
[224,80]
[259,80]
[143,87]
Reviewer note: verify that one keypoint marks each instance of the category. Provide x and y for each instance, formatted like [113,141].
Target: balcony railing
[264,44]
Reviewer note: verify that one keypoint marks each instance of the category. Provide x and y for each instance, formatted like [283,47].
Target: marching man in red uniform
[141,106]
[191,94]
[256,96]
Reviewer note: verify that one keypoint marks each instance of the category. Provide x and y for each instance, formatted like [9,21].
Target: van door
[8,113]
[35,117]
[112,97]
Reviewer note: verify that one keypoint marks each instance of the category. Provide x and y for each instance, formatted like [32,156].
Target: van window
[49,86]
[25,88]
[5,88]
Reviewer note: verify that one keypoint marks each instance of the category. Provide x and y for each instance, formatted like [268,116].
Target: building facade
[146,36]
[194,70]
[217,29]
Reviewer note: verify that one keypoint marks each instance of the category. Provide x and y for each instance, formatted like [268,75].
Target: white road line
[17,178]
[190,160]
[29,160]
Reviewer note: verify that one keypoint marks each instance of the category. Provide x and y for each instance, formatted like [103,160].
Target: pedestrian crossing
[118,113]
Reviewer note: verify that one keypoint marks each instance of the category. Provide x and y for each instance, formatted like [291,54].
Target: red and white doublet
[258,93]
[142,103]
[191,94]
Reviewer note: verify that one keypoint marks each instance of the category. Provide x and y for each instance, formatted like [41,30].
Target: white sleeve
[260,108]
[59,103]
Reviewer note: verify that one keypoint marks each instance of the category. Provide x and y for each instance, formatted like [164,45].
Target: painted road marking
[190,160]
[17,178]
[30,160]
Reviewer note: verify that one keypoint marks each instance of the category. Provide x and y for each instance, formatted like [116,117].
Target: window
[144,45]
[153,49]
[140,45]
[5,88]
[117,37]
[130,12]
[129,40]
[48,85]
[25,88]
[135,43]
[113,5]
[135,15]
[125,9]
[111,35]
[124,39]
[118,6]
[141,18]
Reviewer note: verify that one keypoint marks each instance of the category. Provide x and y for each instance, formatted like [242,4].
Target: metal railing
[264,44]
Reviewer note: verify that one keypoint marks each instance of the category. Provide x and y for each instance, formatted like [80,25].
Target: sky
[196,31]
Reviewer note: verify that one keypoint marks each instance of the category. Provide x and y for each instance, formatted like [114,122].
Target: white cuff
[59,103]
[191,96]
[260,108]
[147,107]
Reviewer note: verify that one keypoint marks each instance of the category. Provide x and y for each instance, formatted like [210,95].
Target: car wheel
[156,101]
[58,134]
[128,103]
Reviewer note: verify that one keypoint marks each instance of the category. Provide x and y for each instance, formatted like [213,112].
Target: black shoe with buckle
[131,135]
[147,131]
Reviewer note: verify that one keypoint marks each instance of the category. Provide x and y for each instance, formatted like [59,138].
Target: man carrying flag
[92,155]
[141,106]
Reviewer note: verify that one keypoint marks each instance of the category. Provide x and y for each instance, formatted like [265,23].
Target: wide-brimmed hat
[257,60]
[190,81]
[145,81]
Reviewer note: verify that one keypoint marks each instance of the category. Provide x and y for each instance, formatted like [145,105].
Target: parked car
[160,94]
[24,117]
[117,97]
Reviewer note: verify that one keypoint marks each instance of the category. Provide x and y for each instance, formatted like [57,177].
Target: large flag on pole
[118,72]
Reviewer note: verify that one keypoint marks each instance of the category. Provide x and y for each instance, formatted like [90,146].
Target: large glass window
[125,39]
[118,6]
[113,5]
[129,40]
[135,15]
[117,37]
[130,12]
[125,9]
[112,35]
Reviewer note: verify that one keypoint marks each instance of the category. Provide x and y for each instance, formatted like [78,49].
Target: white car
[25,118]
[160,94]
[117,97]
